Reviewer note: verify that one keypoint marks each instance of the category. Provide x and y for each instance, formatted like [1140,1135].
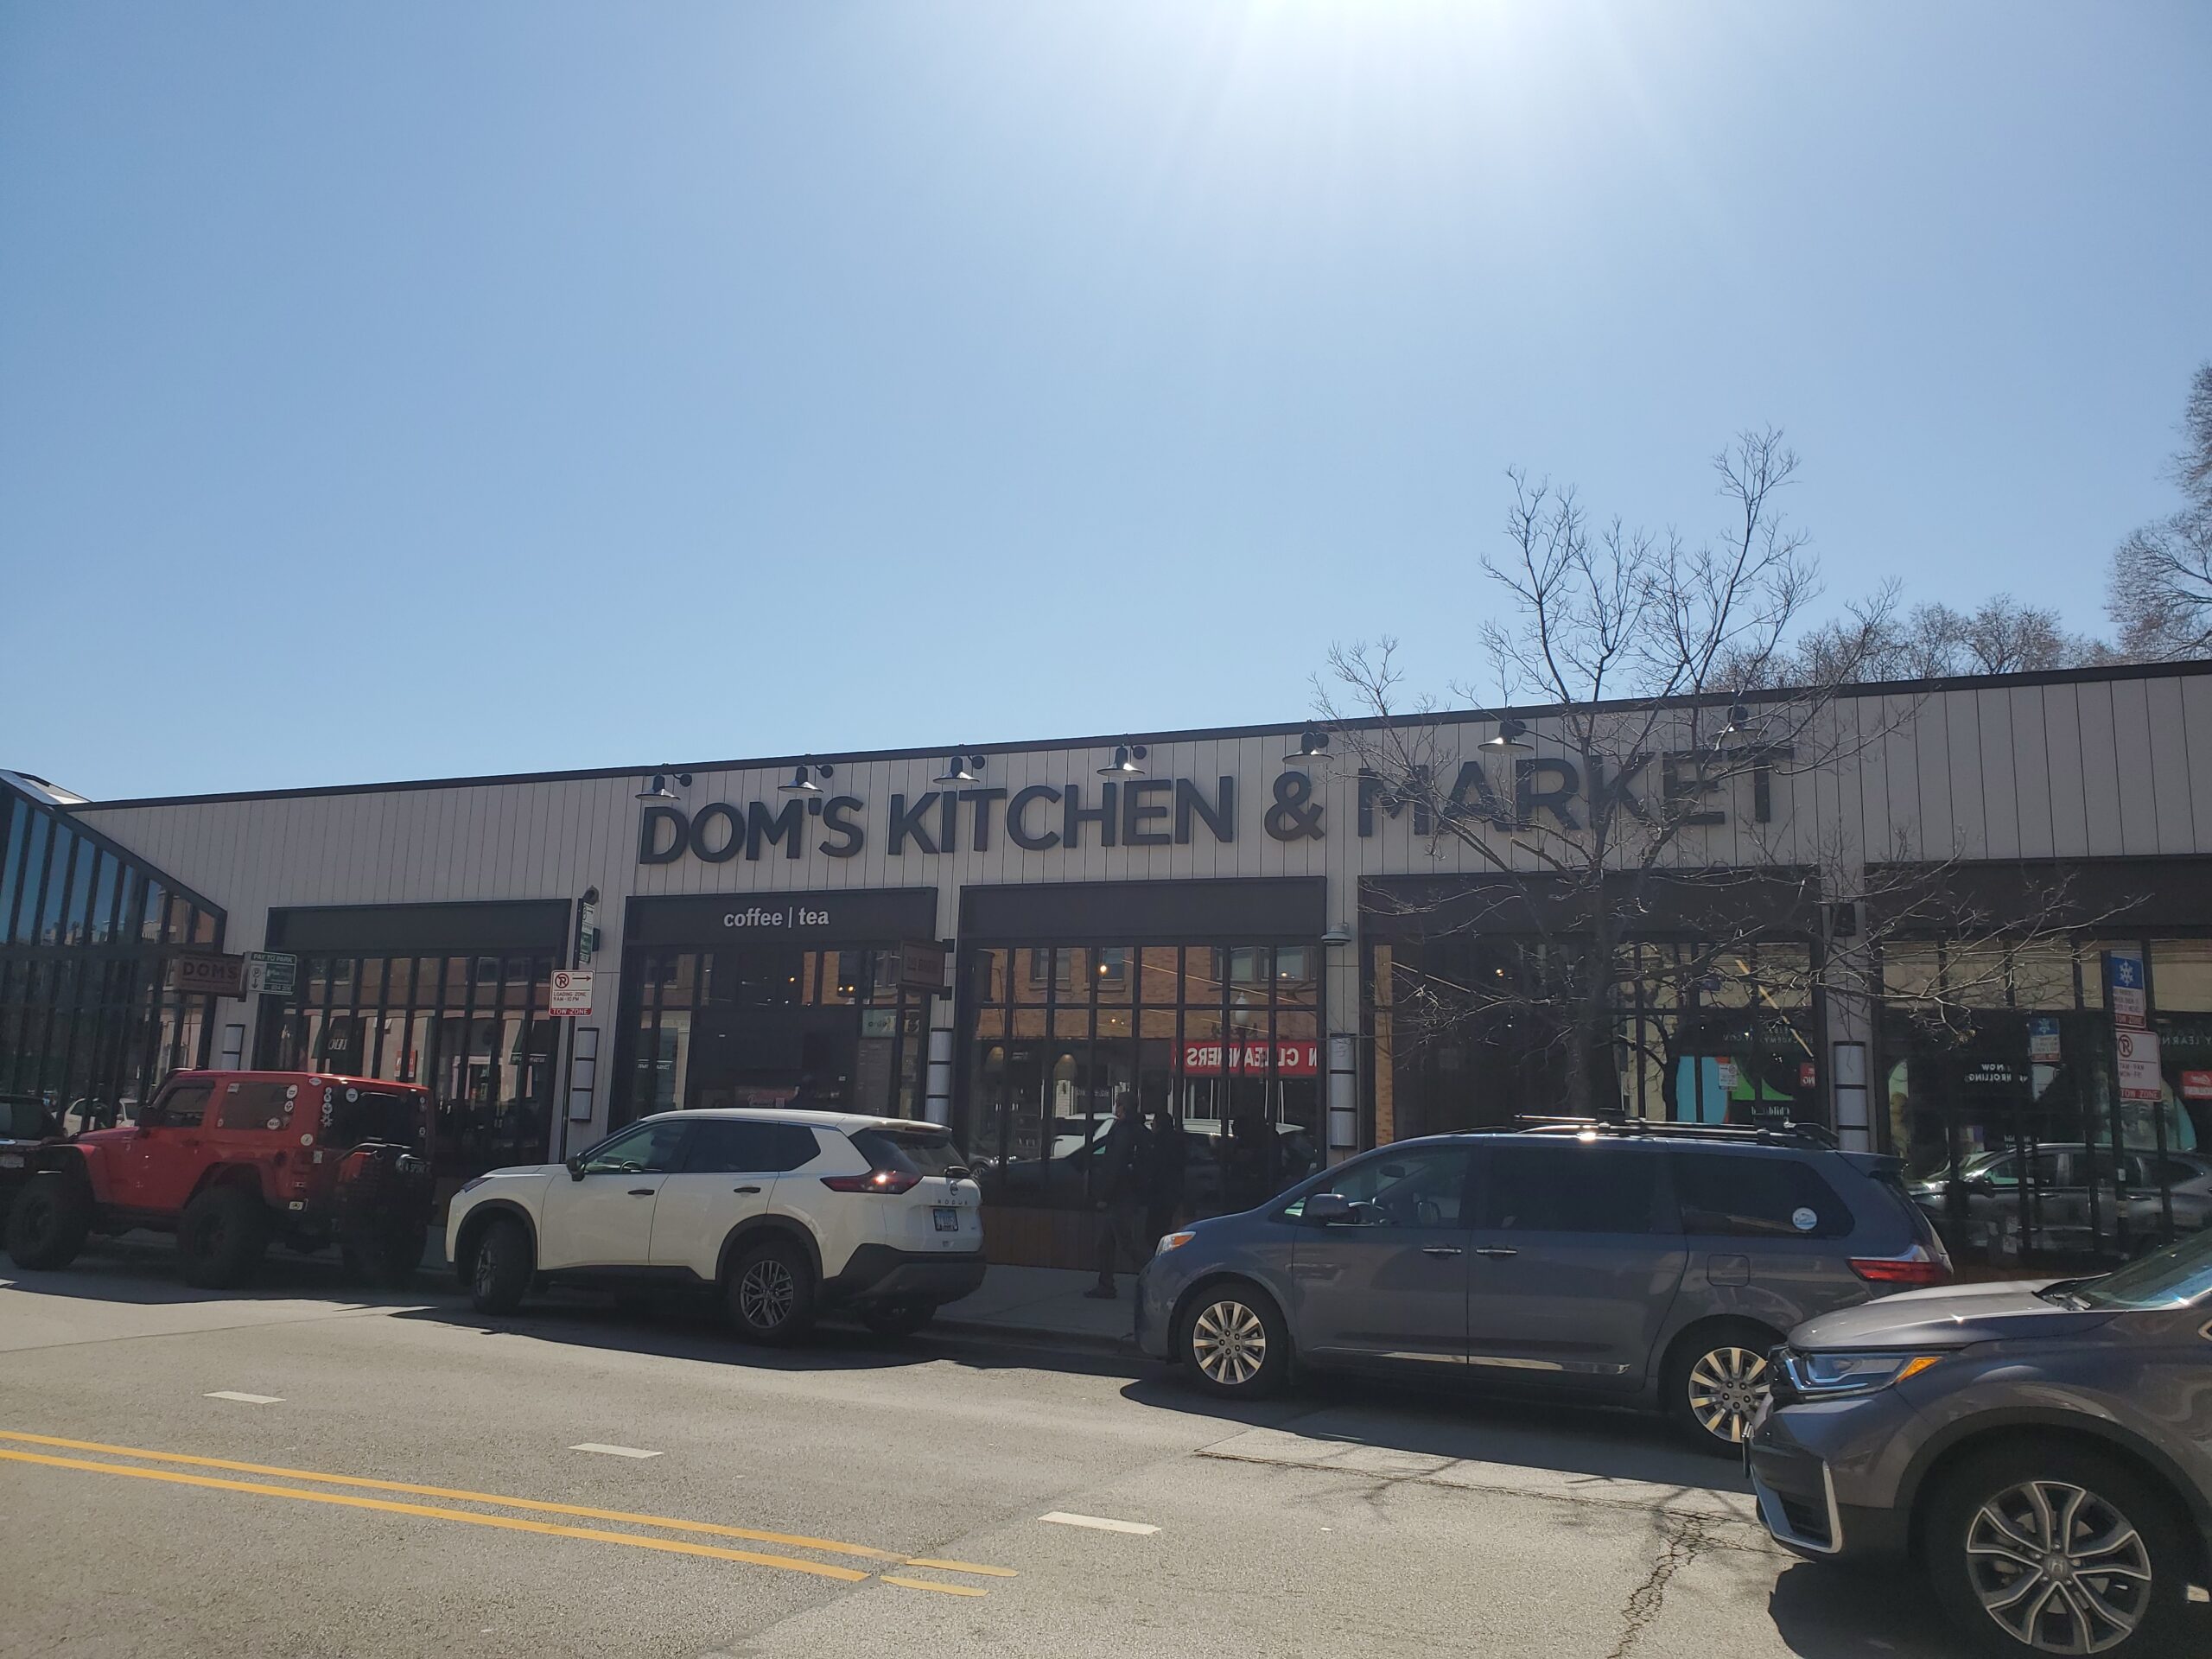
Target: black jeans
[1117,1232]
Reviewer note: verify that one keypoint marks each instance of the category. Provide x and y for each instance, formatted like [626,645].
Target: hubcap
[1229,1342]
[2060,1568]
[765,1295]
[1725,1389]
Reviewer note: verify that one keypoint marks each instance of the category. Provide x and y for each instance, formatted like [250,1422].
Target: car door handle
[643,1192]
[745,1189]
[1495,1251]
[1442,1251]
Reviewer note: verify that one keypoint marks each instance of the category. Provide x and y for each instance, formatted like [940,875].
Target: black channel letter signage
[1137,812]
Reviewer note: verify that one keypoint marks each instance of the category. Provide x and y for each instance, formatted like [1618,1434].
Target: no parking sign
[571,993]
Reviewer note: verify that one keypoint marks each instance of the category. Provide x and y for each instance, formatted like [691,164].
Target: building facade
[1212,922]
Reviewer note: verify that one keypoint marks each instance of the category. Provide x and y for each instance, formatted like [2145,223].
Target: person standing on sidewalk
[1117,1186]
[1167,1152]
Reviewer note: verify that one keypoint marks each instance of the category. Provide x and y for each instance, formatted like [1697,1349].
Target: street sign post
[271,973]
[571,993]
[2139,1075]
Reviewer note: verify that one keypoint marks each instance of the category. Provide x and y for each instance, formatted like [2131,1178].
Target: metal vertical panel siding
[2031,771]
[2100,763]
[2172,815]
[2069,784]
[2137,794]
[1998,791]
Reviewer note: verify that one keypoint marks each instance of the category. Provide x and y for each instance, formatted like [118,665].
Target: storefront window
[2000,1081]
[1477,1033]
[84,1023]
[771,1024]
[1223,1038]
[475,1028]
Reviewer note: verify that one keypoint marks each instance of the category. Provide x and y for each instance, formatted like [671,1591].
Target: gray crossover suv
[2045,1450]
[1617,1262]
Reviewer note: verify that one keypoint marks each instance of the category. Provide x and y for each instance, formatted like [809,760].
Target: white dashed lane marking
[248,1399]
[1097,1522]
[613,1451]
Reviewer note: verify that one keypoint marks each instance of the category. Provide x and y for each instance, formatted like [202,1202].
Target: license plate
[11,1160]
[948,1220]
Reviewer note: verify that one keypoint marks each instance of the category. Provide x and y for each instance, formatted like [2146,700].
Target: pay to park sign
[571,993]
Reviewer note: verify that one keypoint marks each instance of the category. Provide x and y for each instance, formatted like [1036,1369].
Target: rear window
[22,1120]
[1741,1195]
[917,1152]
[352,1115]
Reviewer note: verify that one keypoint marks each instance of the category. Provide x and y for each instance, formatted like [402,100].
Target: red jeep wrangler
[229,1161]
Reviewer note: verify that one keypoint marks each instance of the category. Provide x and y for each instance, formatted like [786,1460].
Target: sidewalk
[1043,1302]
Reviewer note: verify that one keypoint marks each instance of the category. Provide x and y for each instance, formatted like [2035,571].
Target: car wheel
[772,1293]
[501,1275]
[899,1319]
[1233,1342]
[1714,1381]
[222,1236]
[48,1223]
[2057,1549]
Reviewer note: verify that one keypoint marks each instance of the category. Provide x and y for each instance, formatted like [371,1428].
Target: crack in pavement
[1756,1540]
[1687,1539]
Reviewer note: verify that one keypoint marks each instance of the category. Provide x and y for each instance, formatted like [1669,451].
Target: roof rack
[1777,1134]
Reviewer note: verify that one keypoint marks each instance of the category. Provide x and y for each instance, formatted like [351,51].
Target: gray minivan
[1614,1262]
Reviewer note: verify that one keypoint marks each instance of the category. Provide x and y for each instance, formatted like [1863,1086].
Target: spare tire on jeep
[48,1223]
[222,1236]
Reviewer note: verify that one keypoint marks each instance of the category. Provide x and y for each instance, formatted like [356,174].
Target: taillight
[1914,1267]
[876,1180]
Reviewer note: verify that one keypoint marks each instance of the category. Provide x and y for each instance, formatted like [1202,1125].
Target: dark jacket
[1166,1155]
[1117,1170]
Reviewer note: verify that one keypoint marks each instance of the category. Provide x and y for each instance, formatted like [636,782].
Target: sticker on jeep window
[1803,1219]
[307,1140]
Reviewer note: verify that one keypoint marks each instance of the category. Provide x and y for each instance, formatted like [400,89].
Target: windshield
[2173,1277]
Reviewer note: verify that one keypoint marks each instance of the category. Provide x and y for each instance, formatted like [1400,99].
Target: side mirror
[576,1167]
[1327,1209]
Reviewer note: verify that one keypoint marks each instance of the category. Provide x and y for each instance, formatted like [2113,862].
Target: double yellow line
[505,1522]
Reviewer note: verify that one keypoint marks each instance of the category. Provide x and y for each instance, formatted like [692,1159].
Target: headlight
[471,1184]
[1172,1241]
[1822,1374]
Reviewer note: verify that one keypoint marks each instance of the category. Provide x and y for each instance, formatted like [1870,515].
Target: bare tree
[2159,595]
[1603,837]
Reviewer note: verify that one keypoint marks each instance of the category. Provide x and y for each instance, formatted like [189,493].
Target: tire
[1714,1380]
[2138,1609]
[385,1256]
[500,1276]
[899,1319]
[48,1223]
[222,1236]
[1233,1342]
[771,1293]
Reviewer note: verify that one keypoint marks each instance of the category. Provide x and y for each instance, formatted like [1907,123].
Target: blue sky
[408,389]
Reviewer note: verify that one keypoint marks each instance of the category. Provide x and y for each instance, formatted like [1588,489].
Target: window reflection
[1223,1038]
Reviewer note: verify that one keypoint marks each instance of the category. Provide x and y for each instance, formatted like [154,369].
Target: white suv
[786,1215]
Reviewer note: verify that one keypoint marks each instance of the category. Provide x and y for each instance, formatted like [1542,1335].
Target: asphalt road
[404,1476]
